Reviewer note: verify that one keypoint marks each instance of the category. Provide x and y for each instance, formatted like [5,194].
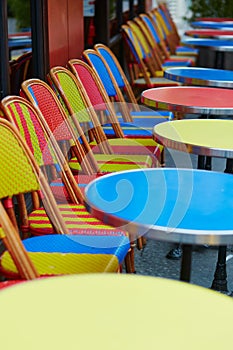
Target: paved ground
[152,261]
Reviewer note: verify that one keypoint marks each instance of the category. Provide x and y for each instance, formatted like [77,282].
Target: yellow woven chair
[90,239]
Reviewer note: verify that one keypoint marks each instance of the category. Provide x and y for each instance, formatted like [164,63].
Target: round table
[206,101]
[201,76]
[217,50]
[167,204]
[212,24]
[211,44]
[100,312]
[207,137]
[185,99]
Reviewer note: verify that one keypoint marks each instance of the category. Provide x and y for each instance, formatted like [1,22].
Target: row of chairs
[51,119]
[152,44]
[74,133]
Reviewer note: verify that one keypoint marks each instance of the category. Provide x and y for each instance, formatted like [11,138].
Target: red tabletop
[215,19]
[198,33]
[186,99]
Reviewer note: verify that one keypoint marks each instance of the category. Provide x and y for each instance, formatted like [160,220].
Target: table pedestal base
[220,276]
[186,263]
[229,166]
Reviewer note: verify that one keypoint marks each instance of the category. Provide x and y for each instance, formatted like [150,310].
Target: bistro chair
[44,98]
[114,79]
[157,45]
[166,30]
[71,87]
[140,75]
[59,253]
[111,91]
[20,70]
[152,51]
[43,145]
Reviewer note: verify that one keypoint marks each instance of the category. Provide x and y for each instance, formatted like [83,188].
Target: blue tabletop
[182,205]
[12,43]
[218,44]
[213,25]
[201,76]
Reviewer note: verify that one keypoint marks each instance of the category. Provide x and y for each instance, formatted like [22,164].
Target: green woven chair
[73,93]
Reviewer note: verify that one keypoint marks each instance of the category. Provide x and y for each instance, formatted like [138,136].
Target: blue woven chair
[123,91]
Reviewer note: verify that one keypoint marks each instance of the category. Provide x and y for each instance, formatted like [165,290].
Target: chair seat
[177,63]
[147,120]
[68,254]
[111,163]
[184,50]
[78,220]
[132,146]
[155,82]
[60,191]
[130,130]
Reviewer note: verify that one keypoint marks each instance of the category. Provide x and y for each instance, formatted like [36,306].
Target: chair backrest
[41,95]
[88,77]
[149,58]
[20,174]
[20,113]
[136,63]
[154,37]
[77,99]
[163,7]
[118,74]
[163,29]
[92,57]
[105,81]
[20,69]
[35,131]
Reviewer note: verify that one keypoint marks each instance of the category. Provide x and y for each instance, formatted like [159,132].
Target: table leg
[186,263]
[204,162]
[229,166]
[220,276]
[201,162]
[208,163]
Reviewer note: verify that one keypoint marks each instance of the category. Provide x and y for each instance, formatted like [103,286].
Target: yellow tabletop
[200,136]
[114,311]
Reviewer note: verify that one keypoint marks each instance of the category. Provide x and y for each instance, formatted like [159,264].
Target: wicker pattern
[77,104]
[132,146]
[16,177]
[31,130]
[49,108]
[60,192]
[102,72]
[139,64]
[20,174]
[77,219]
[95,98]
[60,263]
[113,163]
[65,254]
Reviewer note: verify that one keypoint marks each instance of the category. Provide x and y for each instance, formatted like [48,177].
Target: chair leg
[128,265]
